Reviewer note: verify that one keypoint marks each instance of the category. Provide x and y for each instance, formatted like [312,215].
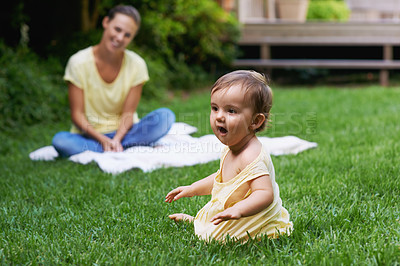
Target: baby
[245,197]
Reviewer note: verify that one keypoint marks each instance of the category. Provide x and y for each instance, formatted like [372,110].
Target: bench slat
[320,40]
[302,63]
[321,33]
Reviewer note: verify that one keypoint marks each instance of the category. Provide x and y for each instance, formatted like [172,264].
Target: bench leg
[271,10]
[384,77]
[265,53]
[384,73]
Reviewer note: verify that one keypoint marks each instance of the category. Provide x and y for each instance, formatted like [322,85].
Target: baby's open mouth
[222,130]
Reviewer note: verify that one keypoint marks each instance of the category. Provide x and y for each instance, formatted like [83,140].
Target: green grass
[343,197]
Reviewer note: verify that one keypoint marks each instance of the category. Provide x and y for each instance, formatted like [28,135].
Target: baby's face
[231,117]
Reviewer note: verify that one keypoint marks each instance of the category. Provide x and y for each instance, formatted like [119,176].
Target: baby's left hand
[229,214]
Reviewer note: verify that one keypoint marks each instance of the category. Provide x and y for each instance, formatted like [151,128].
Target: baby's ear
[258,120]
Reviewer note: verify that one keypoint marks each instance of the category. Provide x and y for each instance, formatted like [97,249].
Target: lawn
[343,197]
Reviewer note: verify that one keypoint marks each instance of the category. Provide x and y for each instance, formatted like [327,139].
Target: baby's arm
[261,197]
[199,188]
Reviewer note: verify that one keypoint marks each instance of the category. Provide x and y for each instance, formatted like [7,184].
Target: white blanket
[176,149]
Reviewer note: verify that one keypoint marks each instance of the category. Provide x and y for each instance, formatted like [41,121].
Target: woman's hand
[179,192]
[229,214]
[111,145]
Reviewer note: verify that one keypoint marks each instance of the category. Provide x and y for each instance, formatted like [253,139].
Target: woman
[105,84]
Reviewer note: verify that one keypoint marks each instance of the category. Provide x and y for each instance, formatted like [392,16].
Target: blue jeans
[146,132]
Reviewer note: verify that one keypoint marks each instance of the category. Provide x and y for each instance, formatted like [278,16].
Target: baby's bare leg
[181,217]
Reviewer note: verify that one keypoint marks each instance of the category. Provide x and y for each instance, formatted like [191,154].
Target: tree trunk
[89,14]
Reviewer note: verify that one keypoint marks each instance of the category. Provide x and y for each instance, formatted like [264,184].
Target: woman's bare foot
[181,217]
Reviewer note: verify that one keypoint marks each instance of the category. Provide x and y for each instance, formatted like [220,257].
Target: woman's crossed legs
[151,128]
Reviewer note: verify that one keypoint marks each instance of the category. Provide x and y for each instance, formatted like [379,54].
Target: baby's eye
[214,108]
[232,111]
[127,35]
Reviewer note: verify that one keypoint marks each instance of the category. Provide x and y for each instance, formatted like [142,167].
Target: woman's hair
[257,92]
[126,10]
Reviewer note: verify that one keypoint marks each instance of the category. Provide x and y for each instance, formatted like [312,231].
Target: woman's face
[118,32]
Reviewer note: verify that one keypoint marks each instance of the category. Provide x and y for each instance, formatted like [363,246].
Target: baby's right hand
[177,193]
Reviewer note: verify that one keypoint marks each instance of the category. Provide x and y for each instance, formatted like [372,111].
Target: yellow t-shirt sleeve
[138,68]
[72,72]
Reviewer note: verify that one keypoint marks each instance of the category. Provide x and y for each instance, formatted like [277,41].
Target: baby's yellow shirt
[272,221]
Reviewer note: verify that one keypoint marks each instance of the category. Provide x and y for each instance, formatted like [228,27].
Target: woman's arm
[130,105]
[198,188]
[261,197]
[78,117]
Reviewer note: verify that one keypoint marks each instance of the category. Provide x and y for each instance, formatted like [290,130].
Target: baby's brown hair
[257,92]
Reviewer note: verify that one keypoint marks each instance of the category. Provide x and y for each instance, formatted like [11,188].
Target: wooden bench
[266,34]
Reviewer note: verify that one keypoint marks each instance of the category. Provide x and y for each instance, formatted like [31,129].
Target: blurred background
[187,44]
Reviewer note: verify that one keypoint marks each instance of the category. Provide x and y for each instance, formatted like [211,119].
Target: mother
[105,84]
